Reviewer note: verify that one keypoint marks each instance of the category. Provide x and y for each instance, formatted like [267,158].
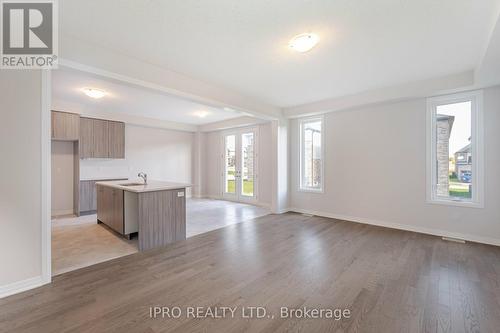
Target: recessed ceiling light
[201,114]
[303,42]
[94,92]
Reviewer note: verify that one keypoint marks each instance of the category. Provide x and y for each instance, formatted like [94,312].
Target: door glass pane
[230,164]
[247,163]
[453,150]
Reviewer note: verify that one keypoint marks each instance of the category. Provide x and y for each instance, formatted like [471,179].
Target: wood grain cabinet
[101,138]
[65,126]
[116,139]
[86,137]
[110,207]
[88,202]
[88,195]
[162,216]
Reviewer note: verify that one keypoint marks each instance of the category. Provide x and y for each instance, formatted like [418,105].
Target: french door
[239,174]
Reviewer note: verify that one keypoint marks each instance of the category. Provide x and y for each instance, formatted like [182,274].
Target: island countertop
[138,187]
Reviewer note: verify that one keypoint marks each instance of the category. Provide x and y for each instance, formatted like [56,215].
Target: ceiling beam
[416,89]
[100,61]
[88,111]
[231,123]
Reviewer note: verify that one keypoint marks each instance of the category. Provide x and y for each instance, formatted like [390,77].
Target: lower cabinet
[110,207]
[88,201]
[88,195]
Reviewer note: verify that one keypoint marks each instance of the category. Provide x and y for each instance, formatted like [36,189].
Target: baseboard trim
[405,227]
[63,212]
[20,286]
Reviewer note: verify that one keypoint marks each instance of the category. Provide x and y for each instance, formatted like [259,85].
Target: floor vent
[456,240]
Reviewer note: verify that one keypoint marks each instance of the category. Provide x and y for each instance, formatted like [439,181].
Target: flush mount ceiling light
[94,93]
[230,110]
[303,42]
[201,114]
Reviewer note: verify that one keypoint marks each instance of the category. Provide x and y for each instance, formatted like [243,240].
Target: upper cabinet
[65,126]
[86,137]
[101,138]
[116,139]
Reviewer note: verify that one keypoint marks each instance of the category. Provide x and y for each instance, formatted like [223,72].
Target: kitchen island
[156,210]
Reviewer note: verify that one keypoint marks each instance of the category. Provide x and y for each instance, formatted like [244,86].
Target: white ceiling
[242,45]
[126,99]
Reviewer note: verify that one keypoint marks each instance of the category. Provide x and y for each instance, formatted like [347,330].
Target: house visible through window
[311,154]
[455,172]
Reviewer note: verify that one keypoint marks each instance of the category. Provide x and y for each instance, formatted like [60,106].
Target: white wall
[212,165]
[20,181]
[375,171]
[62,153]
[279,165]
[211,155]
[265,164]
[162,154]
[197,164]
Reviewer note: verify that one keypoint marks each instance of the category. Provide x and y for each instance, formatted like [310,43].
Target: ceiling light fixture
[94,93]
[303,42]
[230,110]
[201,114]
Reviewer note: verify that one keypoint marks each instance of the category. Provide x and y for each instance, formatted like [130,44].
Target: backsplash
[105,169]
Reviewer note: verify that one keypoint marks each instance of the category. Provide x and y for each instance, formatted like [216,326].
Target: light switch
[180,194]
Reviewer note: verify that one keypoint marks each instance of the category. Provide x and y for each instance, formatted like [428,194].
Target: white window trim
[477,150]
[301,154]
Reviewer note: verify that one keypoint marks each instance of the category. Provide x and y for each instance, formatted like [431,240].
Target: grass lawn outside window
[247,187]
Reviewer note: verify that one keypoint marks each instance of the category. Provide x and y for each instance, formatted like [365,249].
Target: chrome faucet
[143,176]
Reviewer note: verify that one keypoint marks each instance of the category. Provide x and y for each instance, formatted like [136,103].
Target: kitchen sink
[131,184]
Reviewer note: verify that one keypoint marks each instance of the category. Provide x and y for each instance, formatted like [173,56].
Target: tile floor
[79,241]
[204,215]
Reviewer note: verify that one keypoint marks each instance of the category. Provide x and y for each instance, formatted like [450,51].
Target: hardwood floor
[390,280]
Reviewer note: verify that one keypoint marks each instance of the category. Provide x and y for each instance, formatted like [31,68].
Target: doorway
[239,176]
[63,178]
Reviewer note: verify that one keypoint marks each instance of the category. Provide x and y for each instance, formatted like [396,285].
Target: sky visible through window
[461,130]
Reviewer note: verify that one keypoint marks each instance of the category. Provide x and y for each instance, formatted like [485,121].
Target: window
[454,147]
[311,154]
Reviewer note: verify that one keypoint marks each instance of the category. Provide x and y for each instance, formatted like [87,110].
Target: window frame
[477,151]
[302,187]
[221,164]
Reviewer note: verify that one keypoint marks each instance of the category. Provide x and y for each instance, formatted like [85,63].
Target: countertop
[151,186]
[101,179]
